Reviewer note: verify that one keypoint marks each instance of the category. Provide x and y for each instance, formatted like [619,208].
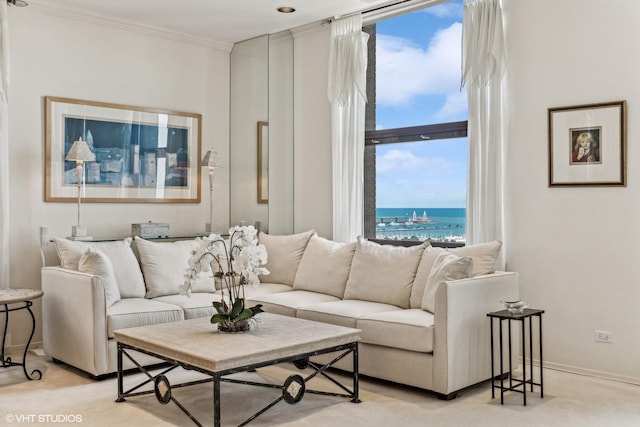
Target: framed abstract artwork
[143,155]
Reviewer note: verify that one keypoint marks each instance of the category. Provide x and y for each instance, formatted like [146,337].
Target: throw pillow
[484,256]
[383,273]
[97,263]
[164,264]
[283,255]
[446,267]
[325,266]
[422,274]
[128,274]
[70,252]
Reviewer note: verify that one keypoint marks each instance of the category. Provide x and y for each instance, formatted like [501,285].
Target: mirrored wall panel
[261,133]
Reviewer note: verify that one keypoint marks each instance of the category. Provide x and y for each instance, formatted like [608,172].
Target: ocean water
[442,224]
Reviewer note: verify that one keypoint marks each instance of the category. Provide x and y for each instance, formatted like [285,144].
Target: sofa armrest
[74,319]
[462,351]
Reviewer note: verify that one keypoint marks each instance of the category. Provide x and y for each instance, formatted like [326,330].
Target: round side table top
[10,296]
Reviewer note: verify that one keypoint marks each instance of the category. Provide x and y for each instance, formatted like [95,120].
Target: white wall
[575,248]
[61,55]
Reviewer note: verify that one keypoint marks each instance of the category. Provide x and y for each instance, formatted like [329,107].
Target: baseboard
[587,372]
[38,351]
[36,347]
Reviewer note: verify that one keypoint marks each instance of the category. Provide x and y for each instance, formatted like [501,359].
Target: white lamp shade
[80,152]
[211,159]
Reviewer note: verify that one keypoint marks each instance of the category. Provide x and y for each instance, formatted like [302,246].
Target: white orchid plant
[237,263]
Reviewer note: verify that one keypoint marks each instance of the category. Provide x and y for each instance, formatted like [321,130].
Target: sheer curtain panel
[4,147]
[347,94]
[483,71]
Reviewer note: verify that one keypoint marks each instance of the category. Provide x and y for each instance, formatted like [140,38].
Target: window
[416,128]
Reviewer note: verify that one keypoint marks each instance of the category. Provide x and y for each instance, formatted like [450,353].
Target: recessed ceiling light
[286,9]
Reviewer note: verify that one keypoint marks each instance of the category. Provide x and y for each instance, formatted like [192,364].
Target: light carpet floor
[65,398]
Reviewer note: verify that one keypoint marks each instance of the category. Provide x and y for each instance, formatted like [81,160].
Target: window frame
[374,137]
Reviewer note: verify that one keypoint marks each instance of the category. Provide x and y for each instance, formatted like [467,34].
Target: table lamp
[211,160]
[80,153]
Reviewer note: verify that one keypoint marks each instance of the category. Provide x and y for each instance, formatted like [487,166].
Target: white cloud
[445,10]
[454,108]
[397,160]
[406,70]
[402,161]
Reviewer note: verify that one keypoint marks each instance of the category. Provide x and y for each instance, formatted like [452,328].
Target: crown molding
[310,28]
[51,8]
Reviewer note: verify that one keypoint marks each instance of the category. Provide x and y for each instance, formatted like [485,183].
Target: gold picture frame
[143,155]
[587,145]
[263,162]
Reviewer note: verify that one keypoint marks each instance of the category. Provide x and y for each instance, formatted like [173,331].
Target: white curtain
[4,147]
[483,71]
[347,94]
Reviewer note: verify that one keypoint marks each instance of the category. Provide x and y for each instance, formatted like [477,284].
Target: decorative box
[150,230]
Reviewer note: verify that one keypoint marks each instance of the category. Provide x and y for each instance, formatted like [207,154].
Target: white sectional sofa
[422,310]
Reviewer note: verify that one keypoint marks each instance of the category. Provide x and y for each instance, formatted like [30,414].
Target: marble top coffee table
[196,344]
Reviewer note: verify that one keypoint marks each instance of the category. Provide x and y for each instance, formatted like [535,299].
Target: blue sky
[418,82]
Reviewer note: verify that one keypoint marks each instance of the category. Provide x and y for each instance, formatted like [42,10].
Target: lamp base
[215,228]
[79,232]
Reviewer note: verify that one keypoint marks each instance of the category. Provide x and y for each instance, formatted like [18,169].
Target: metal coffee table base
[293,389]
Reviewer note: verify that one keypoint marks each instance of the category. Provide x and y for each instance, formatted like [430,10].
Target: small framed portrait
[587,145]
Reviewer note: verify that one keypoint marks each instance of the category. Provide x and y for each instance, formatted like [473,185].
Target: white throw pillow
[429,256]
[283,256]
[325,266]
[484,256]
[446,267]
[164,264]
[126,267]
[383,273]
[70,252]
[97,263]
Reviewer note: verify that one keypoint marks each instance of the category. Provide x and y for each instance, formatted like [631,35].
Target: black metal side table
[514,383]
[24,297]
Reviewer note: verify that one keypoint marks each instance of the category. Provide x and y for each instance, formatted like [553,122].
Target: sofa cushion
[283,255]
[422,274]
[383,273]
[343,312]
[484,256]
[164,264]
[126,267]
[287,303]
[446,267]
[325,266]
[97,263]
[410,329]
[194,306]
[132,312]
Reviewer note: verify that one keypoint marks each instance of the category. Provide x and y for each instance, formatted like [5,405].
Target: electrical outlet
[603,336]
